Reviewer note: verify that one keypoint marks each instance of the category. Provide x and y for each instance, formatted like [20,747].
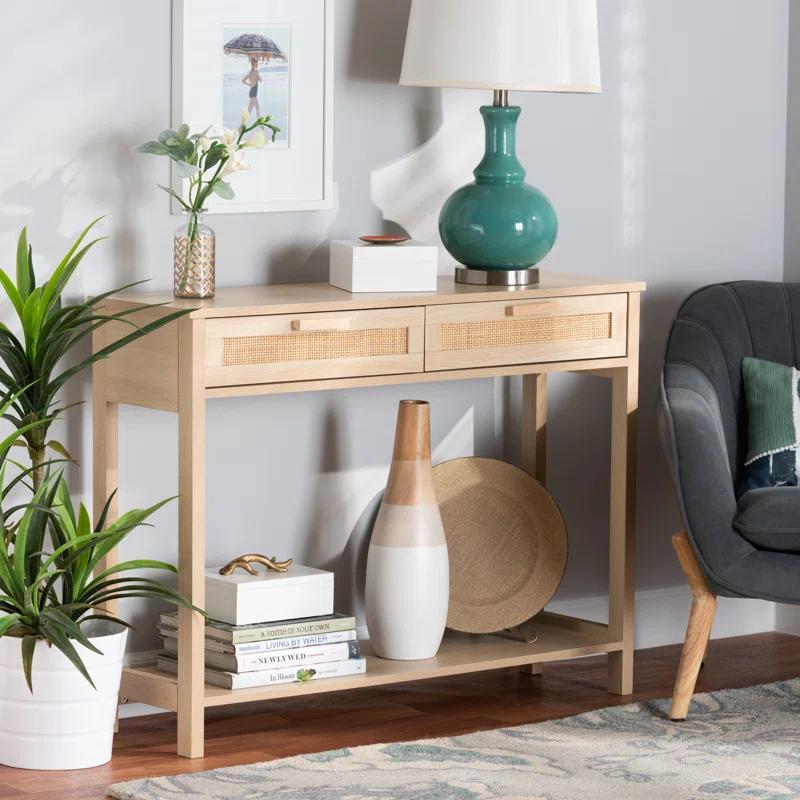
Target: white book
[251,662]
[269,677]
[267,645]
[238,634]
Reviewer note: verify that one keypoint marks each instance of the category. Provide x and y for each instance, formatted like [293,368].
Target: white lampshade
[530,45]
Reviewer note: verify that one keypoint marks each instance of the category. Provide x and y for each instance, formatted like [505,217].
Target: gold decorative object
[246,562]
[194,262]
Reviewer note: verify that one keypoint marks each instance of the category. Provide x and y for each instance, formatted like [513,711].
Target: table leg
[622,522]
[105,459]
[534,448]
[191,535]
[534,425]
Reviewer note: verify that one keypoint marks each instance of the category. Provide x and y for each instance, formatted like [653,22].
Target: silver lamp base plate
[497,277]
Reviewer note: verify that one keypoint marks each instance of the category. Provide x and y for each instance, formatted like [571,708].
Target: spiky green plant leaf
[51,595]
[35,364]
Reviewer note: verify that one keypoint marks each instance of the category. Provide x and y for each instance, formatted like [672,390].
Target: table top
[313,297]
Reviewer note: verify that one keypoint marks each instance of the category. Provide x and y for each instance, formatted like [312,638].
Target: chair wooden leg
[704,606]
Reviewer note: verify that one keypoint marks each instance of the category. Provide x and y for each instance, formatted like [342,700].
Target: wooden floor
[443,707]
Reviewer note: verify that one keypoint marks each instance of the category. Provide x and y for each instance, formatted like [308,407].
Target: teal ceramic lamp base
[499,227]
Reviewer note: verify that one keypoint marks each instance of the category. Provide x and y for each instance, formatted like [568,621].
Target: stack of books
[263,654]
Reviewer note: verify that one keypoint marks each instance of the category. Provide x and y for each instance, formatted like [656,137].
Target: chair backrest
[718,326]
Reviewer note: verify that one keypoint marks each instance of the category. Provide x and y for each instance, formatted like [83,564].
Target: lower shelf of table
[558,638]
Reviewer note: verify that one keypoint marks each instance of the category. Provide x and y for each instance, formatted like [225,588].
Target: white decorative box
[242,599]
[360,267]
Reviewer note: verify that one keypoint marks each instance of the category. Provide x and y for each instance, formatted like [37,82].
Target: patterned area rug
[740,743]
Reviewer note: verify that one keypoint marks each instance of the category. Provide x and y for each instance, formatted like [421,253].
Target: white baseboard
[661,616]
[787,619]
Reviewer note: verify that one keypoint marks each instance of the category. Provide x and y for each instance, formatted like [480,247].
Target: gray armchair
[736,544]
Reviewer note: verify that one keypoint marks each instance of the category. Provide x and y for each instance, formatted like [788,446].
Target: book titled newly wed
[269,677]
[250,662]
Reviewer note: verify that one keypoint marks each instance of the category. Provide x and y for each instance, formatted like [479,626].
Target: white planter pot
[65,723]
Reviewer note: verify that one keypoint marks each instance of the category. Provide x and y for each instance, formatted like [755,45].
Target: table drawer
[297,347]
[465,335]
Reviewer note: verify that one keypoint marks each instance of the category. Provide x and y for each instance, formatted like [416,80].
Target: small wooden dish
[506,540]
[384,239]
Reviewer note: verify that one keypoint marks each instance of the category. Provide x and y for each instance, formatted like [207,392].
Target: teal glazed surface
[499,221]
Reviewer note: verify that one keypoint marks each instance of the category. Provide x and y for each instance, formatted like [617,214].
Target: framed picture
[260,57]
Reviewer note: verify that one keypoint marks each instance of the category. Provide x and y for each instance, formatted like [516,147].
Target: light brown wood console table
[306,337]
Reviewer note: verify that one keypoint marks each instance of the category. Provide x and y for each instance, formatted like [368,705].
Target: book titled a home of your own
[170,637]
[270,677]
[256,632]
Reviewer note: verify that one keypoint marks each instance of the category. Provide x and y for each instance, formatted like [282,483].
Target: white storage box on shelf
[357,266]
[242,599]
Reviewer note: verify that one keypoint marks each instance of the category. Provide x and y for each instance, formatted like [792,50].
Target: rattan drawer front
[525,332]
[295,347]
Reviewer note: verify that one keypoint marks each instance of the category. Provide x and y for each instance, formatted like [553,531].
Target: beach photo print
[237,61]
[256,70]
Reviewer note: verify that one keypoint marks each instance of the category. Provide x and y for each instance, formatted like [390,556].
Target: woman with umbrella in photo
[256,48]
[252,79]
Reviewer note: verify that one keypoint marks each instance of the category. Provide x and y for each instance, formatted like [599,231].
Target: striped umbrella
[253,45]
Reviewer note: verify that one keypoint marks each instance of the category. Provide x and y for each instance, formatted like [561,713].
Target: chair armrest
[690,423]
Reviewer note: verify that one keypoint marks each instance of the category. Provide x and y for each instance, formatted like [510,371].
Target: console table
[307,337]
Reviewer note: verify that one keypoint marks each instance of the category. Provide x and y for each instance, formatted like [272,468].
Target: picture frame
[272,57]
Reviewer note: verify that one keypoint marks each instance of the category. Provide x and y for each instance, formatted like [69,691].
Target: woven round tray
[506,540]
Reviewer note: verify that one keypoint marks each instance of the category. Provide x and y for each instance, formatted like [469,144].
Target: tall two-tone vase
[408,574]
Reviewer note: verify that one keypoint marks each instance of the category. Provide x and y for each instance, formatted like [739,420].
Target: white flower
[235,163]
[245,115]
[230,138]
[203,143]
[256,139]
[227,137]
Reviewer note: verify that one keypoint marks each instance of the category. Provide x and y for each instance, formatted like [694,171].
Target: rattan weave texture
[514,332]
[314,346]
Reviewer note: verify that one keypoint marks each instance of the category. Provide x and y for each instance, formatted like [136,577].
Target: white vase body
[64,723]
[408,572]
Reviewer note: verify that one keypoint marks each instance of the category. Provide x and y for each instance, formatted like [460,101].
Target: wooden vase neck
[410,477]
[412,438]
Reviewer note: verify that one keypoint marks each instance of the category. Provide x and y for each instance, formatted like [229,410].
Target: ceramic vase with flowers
[205,160]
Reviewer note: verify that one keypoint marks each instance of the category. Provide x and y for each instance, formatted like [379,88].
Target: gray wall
[792,240]
[674,175]
[787,618]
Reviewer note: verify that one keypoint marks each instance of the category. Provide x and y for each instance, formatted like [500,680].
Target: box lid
[404,252]
[298,573]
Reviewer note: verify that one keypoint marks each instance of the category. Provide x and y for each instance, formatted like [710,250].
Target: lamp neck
[500,163]
[501,98]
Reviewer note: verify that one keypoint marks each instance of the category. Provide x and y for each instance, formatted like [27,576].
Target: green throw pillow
[773,424]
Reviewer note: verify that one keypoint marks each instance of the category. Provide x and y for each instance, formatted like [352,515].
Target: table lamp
[499,227]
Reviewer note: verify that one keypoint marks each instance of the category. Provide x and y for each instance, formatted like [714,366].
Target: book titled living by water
[270,677]
[240,634]
[266,645]
[277,658]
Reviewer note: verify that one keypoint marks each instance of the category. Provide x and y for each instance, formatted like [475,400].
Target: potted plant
[205,160]
[60,648]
